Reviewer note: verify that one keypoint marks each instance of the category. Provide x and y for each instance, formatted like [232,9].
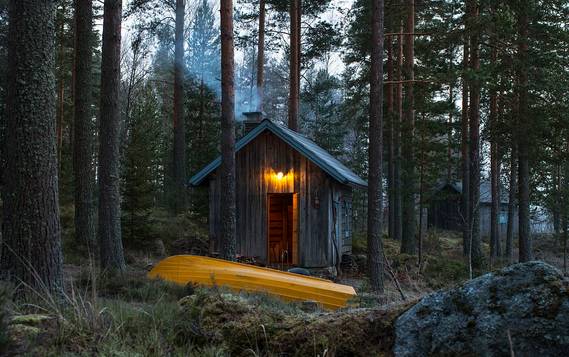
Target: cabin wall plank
[256,167]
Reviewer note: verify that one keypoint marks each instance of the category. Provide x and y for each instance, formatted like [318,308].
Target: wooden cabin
[294,200]
[445,206]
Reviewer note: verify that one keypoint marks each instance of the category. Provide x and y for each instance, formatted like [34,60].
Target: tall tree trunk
[375,179]
[179,163]
[261,57]
[227,170]
[557,205]
[512,203]
[523,134]
[83,142]
[495,249]
[408,241]
[389,137]
[61,81]
[474,107]
[421,191]
[449,132]
[294,80]
[31,231]
[464,146]
[397,119]
[565,204]
[110,239]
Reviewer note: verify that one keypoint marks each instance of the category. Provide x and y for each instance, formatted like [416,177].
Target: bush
[440,272]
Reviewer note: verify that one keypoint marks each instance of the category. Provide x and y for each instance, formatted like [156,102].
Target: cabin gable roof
[300,143]
[485,190]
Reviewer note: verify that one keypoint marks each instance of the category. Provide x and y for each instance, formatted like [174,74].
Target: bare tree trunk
[83,138]
[375,180]
[465,158]
[557,204]
[61,84]
[523,135]
[31,231]
[294,80]
[227,170]
[421,192]
[110,239]
[179,162]
[495,249]
[390,136]
[397,119]
[408,241]
[261,57]
[512,198]
[474,107]
[449,133]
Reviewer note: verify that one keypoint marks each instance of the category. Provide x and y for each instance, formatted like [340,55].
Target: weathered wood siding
[256,167]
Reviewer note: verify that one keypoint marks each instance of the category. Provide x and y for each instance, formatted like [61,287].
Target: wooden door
[282,224]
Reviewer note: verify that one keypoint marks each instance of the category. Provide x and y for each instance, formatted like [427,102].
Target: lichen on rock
[525,303]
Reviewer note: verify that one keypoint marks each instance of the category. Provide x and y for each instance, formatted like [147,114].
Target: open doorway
[282,232]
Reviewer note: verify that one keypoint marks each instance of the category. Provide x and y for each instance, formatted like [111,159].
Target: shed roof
[485,190]
[300,143]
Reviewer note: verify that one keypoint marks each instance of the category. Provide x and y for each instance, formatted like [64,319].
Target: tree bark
[31,231]
[294,80]
[83,142]
[179,162]
[390,133]
[495,249]
[61,81]
[512,198]
[465,158]
[449,132]
[110,239]
[474,107]
[375,179]
[397,119]
[525,245]
[408,241]
[227,170]
[261,57]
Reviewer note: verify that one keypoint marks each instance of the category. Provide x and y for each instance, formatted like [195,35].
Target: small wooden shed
[445,208]
[294,199]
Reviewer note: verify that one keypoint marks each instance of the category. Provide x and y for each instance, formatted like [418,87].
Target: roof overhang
[301,144]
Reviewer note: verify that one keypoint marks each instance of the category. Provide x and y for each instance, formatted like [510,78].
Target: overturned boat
[184,269]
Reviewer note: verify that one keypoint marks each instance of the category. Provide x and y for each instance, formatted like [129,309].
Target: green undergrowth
[164,234]
[123,317]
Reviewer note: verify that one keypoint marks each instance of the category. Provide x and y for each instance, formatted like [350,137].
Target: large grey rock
[528,302]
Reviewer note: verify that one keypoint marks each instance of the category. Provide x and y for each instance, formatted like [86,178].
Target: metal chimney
[252,119]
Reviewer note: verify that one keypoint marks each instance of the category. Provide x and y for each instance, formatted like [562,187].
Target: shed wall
[256,167]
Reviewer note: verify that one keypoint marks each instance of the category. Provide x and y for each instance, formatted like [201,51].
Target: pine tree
[83,123]
[375,162]
[31,231]
[227,170]
[179,161]
[142,163]
[110,239]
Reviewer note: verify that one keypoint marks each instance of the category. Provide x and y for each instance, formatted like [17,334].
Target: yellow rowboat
[184,269]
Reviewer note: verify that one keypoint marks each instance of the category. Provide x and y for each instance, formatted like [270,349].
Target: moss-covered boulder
[245,325]
[523,308]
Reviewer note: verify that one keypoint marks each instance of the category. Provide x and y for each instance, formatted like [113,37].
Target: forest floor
[132,315]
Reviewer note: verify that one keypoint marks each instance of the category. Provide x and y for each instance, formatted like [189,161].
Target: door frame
[294,224]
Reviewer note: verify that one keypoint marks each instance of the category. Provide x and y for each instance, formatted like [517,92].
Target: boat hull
[184,269]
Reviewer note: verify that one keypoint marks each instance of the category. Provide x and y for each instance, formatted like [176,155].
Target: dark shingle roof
[485,190]
[300,143]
